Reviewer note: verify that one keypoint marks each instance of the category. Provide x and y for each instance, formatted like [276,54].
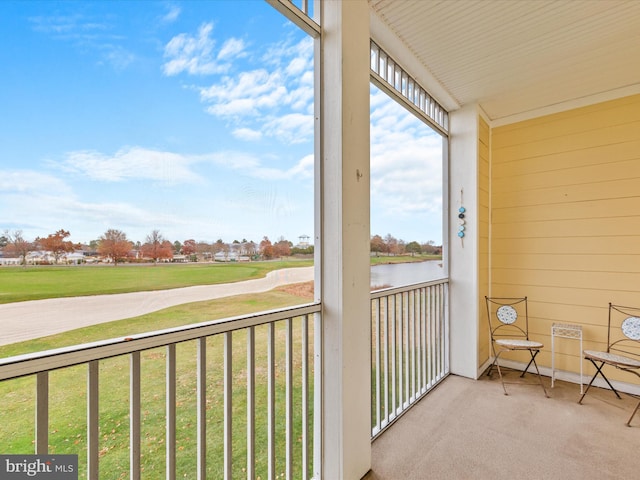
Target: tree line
[389,245]
[114,247]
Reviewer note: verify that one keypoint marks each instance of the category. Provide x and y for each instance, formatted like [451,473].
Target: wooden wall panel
[565,219]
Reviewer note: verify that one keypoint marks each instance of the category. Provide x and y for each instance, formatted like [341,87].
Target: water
[397,274]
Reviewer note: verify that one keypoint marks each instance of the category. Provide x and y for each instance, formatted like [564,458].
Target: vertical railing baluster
[420,351]
[412,341]
[271,403]
[134,416]
[42,413]
[445,295]
[305,397]
[93,419]
[228,405]
[429,315]
[201,405]
[386,359]
[251,403]
[394,367]
[376,308]
[423,326]
[171,413]
[439,324]
[402,355]
[289,398]
[317,395]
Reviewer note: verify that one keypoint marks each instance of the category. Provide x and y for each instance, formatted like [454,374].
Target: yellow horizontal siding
[582,181]
[565,219]
[602,262]
[577,141]
[591,118]
[568,227]
[562,162]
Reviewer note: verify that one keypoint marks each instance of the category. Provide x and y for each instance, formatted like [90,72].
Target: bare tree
[156,247]
[18,246]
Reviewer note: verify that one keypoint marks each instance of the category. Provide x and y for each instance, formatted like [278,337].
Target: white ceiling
[515,57]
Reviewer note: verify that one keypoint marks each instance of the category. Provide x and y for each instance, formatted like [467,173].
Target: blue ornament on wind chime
[461,221]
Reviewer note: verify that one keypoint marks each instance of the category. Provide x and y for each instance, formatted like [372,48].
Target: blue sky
[191,118]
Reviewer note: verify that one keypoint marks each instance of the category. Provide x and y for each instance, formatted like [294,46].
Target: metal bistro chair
[623,347]
[509,329]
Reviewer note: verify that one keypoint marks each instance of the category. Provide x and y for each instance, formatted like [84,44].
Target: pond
[397,274]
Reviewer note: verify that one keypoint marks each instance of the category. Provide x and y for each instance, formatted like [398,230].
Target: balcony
[232,398]
[469,429]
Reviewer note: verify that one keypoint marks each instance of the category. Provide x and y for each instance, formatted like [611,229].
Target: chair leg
[497,364]
[533,359]
[633,414]
[489,372]
[587,389]
[599,371]
[528,365]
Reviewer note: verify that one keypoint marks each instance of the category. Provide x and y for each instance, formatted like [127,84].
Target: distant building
[303,241]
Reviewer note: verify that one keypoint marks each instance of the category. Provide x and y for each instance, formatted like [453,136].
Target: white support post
[345,237]
[463,253]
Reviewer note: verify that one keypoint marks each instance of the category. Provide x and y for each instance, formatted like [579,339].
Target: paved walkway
[27,320]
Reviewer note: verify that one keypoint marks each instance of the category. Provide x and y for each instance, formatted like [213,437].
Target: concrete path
[27,320]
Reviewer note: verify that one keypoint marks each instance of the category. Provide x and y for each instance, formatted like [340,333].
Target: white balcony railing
[237,394]
[268,362]
[410,347]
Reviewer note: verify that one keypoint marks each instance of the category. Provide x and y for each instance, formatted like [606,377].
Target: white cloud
[245,95]
[132,163]
[118,57]
[304,168]
[247,134]
[29,182]
[172,15]
[276,98]
[232,47]
[255,167]
[192,54]
[406,161]
[291,128]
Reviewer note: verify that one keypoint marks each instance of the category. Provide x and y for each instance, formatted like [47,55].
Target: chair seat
[518,343]
[612,359]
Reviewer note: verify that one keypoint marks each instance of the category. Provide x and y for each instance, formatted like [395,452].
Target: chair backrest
[508,317]
[623,335]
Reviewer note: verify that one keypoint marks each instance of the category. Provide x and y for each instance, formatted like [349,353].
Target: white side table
[565,330]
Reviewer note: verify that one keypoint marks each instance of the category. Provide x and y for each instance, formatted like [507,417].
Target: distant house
[303,241]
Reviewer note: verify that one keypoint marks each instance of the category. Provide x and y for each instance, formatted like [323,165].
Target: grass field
[34,283]
[18,284]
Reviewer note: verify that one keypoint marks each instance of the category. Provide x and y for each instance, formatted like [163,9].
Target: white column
[345,270]
[463,254]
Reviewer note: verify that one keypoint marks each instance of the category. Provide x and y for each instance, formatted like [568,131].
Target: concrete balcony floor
[468,429]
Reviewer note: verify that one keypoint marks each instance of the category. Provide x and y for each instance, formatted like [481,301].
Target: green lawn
[19,284]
